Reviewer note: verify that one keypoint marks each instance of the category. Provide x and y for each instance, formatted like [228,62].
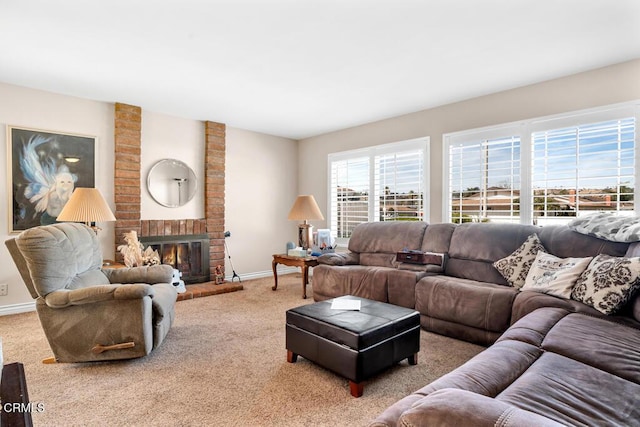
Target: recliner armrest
[347,258]
[146,274]
[92,294]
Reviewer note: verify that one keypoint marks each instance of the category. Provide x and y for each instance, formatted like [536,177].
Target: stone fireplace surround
[128,184]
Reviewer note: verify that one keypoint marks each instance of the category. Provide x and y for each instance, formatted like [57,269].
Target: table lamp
[305,208]
[86,205]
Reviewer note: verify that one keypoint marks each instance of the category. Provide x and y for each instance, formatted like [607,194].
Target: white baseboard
[17,308]
[266,273]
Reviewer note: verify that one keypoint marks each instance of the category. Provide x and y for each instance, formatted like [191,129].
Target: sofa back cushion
[476,246]
[437,238]
[563,242]
[378,242]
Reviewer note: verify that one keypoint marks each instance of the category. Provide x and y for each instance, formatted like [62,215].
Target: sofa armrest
[347,258]
[462,407]
[92,294]
[146,274]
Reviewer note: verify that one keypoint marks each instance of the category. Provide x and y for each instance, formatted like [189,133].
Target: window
[350,189]
[381,183]
[484,178]
[583,168]
[545,170]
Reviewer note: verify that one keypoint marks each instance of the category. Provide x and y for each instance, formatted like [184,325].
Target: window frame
[525,129]
[422,143]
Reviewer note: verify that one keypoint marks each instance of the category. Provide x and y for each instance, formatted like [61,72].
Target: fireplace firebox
[189,254]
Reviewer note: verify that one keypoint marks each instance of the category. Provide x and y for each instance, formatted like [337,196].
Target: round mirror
[171,183]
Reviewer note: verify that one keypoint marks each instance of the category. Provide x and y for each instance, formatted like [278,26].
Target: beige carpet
[222,364]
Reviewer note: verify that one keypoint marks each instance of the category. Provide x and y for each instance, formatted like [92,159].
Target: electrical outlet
[4,289]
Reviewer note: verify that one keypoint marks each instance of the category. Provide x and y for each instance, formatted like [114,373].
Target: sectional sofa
[555,356]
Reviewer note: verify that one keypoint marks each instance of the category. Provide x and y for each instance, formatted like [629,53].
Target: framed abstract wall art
[44,168]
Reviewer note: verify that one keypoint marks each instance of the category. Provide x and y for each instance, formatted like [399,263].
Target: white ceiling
[298,68]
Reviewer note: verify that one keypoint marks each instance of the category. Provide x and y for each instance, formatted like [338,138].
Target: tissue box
[299,252]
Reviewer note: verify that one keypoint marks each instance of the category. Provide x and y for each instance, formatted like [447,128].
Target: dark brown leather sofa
[552,361]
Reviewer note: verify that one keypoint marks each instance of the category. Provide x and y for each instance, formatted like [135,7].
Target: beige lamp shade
[86,205]
[305,208]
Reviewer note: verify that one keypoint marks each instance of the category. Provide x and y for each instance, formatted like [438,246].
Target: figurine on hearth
[219,273]
[134,253]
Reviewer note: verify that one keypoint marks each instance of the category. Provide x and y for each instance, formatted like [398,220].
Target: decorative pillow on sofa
[555,276]
[608,283]
[515,267]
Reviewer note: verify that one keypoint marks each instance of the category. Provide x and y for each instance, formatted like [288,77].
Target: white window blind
[583,168]
[350,189]
[380,183]
[399,186]
[484,180]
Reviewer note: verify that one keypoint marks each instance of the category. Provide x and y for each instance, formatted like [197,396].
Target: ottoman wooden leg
[291,356]
[356,388]
[413,359]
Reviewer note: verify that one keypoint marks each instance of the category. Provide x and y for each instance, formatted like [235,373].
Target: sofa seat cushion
[573,393]
[468,302]
[611,347]
[361,281]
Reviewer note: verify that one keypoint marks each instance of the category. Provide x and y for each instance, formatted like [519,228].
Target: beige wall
[260,189]
[610,85]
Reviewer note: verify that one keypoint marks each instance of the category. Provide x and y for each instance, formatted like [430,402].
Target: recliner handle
[99,348]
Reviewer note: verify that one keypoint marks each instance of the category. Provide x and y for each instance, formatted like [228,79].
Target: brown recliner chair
[89,313]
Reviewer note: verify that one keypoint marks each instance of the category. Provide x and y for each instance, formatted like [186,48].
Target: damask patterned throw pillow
[555,276]
[515,267]
[608,283]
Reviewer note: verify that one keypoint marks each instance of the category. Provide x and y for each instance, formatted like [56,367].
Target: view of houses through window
[542,175]
[484,179]
[381,183]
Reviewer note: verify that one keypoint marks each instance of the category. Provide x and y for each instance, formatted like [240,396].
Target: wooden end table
[294,261]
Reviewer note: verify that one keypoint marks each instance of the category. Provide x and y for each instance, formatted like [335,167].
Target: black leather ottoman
[353,344]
